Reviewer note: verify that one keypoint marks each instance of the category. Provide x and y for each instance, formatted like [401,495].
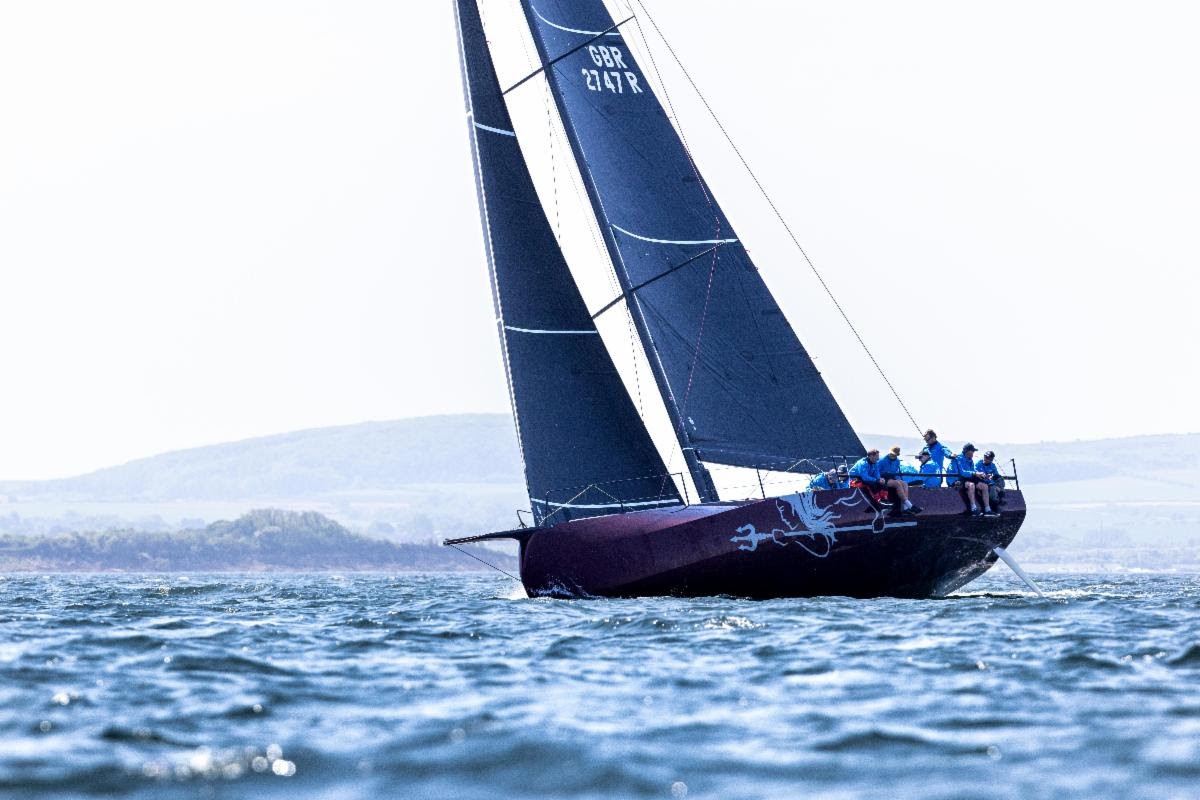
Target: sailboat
[676,363]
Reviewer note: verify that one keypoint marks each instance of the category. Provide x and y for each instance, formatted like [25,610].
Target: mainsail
[741,388]
[585,450]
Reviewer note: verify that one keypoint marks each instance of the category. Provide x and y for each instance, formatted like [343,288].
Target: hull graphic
[802,545]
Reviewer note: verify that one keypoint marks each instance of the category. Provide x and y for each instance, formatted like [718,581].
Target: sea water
[453,686]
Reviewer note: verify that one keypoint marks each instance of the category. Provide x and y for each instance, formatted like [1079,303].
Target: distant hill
[482,449]
[418,480]
[464,448]
[268,539]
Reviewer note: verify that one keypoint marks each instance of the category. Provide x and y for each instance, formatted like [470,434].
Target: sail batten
[570,30]
[560,332]
[670,241]
[490,129]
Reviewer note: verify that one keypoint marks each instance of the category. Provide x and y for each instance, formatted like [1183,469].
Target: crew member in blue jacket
[865,473]
[868,472]
[938,452]
[833,479]
[973,481]
[889,465]
[929,469]
[995,481]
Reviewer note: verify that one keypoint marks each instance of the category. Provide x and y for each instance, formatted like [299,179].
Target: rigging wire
[712,269]
[774,208]
[481,561]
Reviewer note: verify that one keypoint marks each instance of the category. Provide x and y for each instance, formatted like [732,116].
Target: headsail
[742,389]
[585,449]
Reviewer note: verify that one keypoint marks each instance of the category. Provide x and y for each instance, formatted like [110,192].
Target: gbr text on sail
[612,74]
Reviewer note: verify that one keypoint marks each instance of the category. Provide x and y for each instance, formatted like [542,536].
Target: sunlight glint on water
[449,685]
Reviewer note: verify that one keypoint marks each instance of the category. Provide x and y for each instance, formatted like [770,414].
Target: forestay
[585,450]
[740,386]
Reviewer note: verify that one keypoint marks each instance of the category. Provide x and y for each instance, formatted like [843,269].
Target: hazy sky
[227,219]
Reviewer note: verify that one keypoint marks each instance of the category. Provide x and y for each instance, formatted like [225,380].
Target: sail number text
[616,81]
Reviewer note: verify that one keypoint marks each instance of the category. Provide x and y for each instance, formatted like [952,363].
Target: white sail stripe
[607,505]
[569,30]
[543,330]
[672,241]
[493,130]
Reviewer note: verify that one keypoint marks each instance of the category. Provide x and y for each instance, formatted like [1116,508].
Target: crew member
[865,474]
[938,452]
[973,481]
[995,481]
[930,470]
[889,465]
[891,470]
[824,480]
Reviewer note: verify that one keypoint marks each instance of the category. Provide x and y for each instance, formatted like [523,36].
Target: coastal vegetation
[265,539]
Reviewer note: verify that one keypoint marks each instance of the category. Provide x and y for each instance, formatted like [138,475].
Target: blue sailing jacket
[822,481]
[930,468]
[962,467]
[991,470]
[890,467]
[909,474]
[939,454]
[865,471]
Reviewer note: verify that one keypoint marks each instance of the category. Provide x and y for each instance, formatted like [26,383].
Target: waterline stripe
[672,241]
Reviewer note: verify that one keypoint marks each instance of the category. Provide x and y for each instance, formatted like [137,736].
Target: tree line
[261,539]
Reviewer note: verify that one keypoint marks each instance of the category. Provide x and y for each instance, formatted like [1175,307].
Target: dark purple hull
[802,545]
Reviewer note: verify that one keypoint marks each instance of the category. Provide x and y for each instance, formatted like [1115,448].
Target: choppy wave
[458,686]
